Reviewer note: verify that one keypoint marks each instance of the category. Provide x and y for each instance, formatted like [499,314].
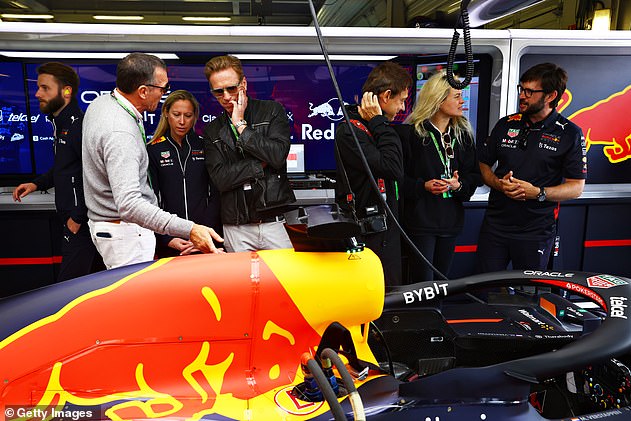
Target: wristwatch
[541,197]
[240,123]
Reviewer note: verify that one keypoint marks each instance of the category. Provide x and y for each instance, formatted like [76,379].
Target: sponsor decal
[64,132]
[526,326]
[539,323]
[513,132]
[23,117]
[17,137]
[605,281]
[618,307]
[514,117]
[543,273]
[579,289]
[425,293]
[165,154]
[288,402]
[547,147]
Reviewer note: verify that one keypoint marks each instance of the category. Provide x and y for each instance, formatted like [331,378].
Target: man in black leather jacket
[58,85]
[246,150]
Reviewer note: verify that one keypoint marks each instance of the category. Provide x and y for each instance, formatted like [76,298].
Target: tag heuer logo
[605,281]
[165,154]
[513,132]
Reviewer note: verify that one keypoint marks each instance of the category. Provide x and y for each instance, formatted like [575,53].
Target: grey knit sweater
[115,166]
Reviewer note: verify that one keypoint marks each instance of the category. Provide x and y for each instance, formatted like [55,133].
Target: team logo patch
[514,117]
[64,132]
[513,132]
[605,281]
[165,154]
[551,138]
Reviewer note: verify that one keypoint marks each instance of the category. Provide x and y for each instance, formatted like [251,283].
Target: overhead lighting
[23,16]
[312,57]
[121,17]
[602,20]
[65,55]
[206,18]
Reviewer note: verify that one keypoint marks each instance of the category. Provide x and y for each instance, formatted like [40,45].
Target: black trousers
[387,245]
[438,249]
[79,256]
[496,251]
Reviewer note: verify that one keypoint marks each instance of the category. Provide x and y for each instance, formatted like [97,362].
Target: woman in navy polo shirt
[178,173]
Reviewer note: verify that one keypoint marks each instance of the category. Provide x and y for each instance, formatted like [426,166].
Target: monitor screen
[476,95]
[15,147]
[304,88]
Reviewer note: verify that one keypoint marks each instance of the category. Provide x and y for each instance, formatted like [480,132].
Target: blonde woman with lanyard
[441,172]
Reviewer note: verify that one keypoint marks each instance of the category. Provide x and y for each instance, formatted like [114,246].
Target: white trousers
[122,244]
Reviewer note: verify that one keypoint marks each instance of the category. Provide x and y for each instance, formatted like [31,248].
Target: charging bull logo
[327,110]
[605,123]
[184,338]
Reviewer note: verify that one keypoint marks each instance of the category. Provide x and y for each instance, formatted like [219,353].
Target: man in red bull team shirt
[541,161]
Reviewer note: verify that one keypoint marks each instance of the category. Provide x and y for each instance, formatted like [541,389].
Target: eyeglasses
[230,89]
[527,92]
[164,88]
[448,145]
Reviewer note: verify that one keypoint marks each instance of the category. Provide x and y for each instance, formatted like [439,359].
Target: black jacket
[250,192]
[424,212]
[66,174]
[180,180]
[382,148]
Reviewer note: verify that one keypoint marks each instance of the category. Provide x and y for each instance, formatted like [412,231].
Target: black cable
[387,348]
[451,57]
[327,390]
[362,157]
[349,383]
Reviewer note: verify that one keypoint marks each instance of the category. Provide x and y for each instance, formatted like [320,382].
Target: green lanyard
[141,127]
[234,130]
[446,161]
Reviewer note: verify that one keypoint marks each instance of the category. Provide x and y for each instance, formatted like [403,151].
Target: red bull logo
[326,110]
[189,337]
[605,123]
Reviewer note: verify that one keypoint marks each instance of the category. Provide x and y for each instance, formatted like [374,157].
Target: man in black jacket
[246,150]
[58,85]
[384,95]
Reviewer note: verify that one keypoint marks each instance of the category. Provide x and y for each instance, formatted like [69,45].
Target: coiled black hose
[451,57]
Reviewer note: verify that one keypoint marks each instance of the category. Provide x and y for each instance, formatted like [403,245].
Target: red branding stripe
[456,321]
[467,249]
[608,243]
[14,261]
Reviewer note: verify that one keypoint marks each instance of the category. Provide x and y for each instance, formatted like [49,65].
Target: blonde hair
[179,95]
[429,100]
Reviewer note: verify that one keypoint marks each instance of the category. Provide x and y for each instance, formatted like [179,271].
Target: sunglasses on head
[230,89]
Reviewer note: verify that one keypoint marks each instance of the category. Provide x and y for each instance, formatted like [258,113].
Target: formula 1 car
[289,335]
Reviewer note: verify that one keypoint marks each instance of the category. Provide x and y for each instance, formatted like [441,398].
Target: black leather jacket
[251,191]
[66,174]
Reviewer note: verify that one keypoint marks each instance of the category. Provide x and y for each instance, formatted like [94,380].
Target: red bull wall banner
[598,100]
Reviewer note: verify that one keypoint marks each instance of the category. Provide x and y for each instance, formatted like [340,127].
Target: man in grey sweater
[123,210]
